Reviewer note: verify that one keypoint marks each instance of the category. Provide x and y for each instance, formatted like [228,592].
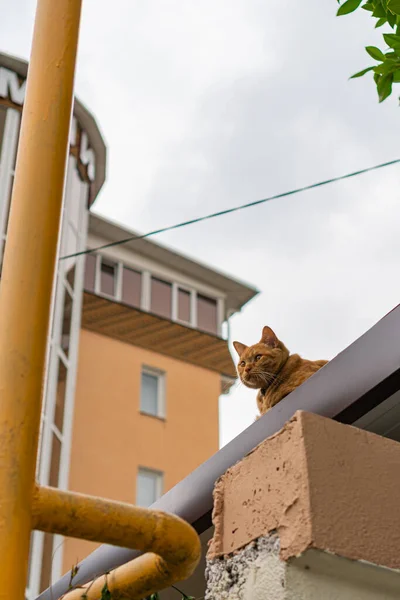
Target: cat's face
[259,364]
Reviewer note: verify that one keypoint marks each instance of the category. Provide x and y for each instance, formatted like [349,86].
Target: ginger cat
[269,367]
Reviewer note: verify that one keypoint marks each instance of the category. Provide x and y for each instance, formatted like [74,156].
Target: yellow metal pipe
[27,275]
[173,543]
[135,580]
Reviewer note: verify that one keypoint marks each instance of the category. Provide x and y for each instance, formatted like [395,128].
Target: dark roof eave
[144,329]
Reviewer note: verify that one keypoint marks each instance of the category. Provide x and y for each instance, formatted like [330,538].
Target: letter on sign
[10,86]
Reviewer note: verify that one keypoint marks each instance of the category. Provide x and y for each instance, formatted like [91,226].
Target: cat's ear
[269,338]
[240,348]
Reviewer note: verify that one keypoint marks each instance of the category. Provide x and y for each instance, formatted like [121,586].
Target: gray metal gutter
[350,385]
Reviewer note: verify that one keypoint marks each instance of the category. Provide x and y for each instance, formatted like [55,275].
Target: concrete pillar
[312,513]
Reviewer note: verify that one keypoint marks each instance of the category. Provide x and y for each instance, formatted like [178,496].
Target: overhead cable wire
[228,211]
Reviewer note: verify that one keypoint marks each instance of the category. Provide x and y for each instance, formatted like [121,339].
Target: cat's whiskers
[274,376]
[267,380]
[261,372]
[236,384]
[267,377]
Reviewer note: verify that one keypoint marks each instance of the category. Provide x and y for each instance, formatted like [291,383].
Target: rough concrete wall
[257,573]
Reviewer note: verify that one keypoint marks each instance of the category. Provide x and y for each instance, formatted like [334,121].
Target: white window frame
[146,291]
[161,389]
[145,299]
[100,258]
[159,481]
[175,304]
[220,316]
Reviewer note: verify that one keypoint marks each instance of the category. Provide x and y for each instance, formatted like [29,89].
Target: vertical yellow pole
[26,283]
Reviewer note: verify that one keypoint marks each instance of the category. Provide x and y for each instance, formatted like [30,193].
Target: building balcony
[147,330]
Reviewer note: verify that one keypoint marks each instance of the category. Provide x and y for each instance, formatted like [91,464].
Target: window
[55,460]
[149,486]
[71,277]
[207,314]
[90,272]
[152,392]
[108,276]
[184,305]
[30,556]
[60,397]
[8,208]
[161,297]
[66,327]
[131,287]
[8,203]
[47,562]
[3,114]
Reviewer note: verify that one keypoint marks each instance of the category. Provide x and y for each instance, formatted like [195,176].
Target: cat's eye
[258,356]
[242,364]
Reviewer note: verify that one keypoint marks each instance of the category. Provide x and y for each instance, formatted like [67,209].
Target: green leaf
[394,6]
[396,76]
[392,55]
[392,40]
[379,11]
[392,19]
[380,22]
[348,7]
[377,77]
[361,73]
[74,573]
[368,6]
[105,593]
[383,68]
[375,53]
[384,86]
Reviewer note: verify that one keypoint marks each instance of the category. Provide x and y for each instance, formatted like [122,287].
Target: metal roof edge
[239,292]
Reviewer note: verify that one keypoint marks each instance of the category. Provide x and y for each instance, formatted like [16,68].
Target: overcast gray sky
[210,104]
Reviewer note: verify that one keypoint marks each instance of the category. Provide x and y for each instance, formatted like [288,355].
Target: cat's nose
[248,369]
